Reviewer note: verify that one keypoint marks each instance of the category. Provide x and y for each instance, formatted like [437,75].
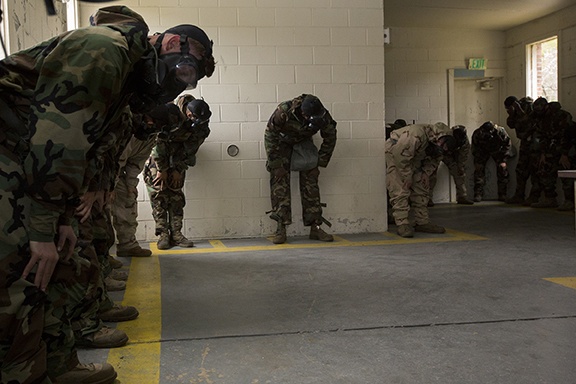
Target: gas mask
[177,73]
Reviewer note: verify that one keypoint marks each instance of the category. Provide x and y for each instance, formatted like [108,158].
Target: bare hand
[66,238]
[176,181]
[45,256]
[87,201]
[159,180]
[279,173]
[564,162]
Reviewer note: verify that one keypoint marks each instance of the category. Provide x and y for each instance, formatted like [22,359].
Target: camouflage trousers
[459,176]
[96,236]
[524,170]
[502,174]
[281,199]
[567,183]
[36,340]
[125,204]
[407,196]
[547,173]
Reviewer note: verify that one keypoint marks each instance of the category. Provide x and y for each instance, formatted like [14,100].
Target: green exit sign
[477,63]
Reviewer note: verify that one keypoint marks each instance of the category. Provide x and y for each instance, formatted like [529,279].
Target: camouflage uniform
[174,152]
[569,150]
[409,164]
[548,138]
[456,163]
[285,128]
[490,141]
[519,120]
[125,202]
[68,89]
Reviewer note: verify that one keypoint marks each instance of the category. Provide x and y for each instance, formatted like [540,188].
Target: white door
[474,103]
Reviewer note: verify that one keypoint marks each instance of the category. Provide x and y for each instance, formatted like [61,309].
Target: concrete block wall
[268,51]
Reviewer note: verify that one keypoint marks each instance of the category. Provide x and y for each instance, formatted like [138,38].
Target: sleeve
[403,150]
[74,95]
[328,134]
[272,139]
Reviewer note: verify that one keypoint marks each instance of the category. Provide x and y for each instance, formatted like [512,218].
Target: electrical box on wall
[386,35]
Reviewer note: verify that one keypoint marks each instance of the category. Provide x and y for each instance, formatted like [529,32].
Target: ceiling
[498,15]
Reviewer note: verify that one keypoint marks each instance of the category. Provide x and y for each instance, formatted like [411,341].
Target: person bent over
[289,147]
[413,153]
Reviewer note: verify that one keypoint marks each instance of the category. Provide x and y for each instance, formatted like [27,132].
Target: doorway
[473,101]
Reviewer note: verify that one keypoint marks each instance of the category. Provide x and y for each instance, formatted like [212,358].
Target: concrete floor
[491,301]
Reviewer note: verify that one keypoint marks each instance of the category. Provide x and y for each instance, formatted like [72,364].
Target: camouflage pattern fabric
[490,143]
[408,168]
[550,134]
[519,120]
[125,201]
[456,164]
[285,128]
[68,90]
[173,153]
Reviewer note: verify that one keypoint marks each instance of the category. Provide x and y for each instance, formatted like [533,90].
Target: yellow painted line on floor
[569,282]
[390,239]
[139,361]
[217,244]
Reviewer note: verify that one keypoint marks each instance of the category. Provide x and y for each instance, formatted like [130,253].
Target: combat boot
[317,233]
[567,205]
[164,241]
[88,374]
[405,230]
[280,235]
[114,285]
[119,313]
[530,200]
[134,251]
[477,197]
[114,263]
[105,337]
[429,228]
[117,274]
[180,240]
[464,200]
[546,202]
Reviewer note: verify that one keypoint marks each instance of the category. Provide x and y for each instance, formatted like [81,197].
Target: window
[542,69]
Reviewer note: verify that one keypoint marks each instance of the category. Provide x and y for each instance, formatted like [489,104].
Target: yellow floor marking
[390,239]
[217,244]
[139,361]
[569,282]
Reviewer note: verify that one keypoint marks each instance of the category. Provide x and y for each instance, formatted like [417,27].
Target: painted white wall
[268,51]
[29,24]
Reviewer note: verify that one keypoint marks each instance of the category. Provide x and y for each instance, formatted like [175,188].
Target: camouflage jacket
[551,129]
[76,84]
[178,150]
[407,147]
[494,141]
[520,121]
[287,126]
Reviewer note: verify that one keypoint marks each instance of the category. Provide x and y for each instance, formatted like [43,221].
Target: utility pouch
[304,156]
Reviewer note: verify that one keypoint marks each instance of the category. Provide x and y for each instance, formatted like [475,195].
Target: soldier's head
[509,101]
[539,106]
[184,56]
[399,123]
[459,133]
[199,111]
[313,111]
